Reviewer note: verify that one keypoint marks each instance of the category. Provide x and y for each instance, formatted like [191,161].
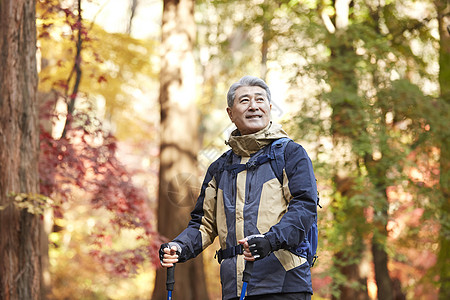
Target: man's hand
[255,247]
[168,254]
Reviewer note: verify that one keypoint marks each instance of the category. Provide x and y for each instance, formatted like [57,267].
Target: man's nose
[252,104]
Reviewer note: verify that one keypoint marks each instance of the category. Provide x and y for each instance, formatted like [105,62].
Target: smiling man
[251,110]
[260,199]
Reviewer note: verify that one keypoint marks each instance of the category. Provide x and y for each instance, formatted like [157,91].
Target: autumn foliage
[82,156]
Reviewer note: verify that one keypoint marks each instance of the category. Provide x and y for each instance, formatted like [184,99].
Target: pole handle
[170,282]
[247,274]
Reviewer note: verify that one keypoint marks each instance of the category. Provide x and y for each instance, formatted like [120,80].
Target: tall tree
[20,271]
[347,107]
[443,11]
[370,98]
[179,141]
[366,94]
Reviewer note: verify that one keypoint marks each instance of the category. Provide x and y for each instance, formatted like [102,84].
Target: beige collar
[246,145]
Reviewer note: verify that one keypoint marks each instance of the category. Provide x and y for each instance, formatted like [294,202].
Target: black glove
[259,246]
[168,245]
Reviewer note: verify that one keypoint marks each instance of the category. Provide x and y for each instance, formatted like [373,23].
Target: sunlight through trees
[111,111]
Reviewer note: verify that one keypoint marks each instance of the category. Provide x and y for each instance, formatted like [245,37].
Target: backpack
[308,247]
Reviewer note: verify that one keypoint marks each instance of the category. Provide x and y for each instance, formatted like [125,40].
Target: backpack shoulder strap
[277,149]
[275,156]
[221,164]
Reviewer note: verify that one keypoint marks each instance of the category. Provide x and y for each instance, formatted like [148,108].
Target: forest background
[122,109]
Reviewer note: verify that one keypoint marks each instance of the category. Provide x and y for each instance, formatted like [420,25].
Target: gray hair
[246,81]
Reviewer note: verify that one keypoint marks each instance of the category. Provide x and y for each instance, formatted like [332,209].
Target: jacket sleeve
[302,210]
[201,230]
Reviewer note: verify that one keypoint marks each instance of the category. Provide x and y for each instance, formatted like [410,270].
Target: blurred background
[132,98]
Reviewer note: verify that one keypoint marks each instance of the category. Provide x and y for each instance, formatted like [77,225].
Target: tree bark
[377,175]
[382,278]
[443,262]
[178,187]
[20,271]
[348,261]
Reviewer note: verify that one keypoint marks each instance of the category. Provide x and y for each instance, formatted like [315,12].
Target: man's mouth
[253,117]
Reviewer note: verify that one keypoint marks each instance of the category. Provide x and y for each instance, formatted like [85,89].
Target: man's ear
[230,114]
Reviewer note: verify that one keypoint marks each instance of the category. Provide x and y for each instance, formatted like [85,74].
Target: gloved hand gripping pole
[246,277]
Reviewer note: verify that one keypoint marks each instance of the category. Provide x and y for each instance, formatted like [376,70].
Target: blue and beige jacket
[255,202]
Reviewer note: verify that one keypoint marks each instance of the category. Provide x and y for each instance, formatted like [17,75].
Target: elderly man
[261,212]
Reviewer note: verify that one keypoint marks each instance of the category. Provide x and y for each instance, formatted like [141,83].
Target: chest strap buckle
[222,254]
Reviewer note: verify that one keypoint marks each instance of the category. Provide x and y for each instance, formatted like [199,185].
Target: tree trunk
[379,240]
[382,278]
[178,187]
[344,84]
[443,263]
[20,271]
[347,122]
[348,261]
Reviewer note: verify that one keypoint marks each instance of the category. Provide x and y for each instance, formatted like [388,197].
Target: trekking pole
[246,277]
[170,282]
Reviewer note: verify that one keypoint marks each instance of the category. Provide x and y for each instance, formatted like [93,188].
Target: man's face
[251,109]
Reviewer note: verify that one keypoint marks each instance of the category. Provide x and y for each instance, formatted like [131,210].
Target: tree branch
[77,70]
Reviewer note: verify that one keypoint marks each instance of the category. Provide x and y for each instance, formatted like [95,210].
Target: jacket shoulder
[294,148]
[217,165]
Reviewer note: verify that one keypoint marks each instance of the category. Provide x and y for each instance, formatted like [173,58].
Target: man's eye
[244,100]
